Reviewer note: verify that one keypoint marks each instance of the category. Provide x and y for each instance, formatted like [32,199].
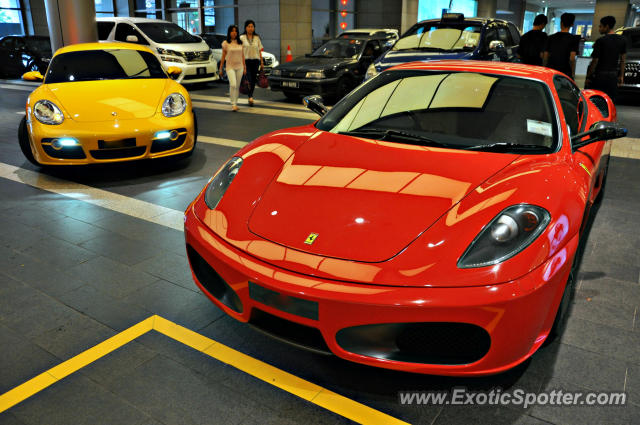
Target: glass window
[515,34]
[149,9]
[112,64]
[10,18]
[441,36]
[124,30]
[340,48]
[187,20]
[569,96]
[503,35]
[104,8]
[458,109]
[104,29]
[218,15]
[39,44]
[431,9]
[330,18]
[166,32]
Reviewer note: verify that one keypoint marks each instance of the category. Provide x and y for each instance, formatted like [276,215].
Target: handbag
[244,85]
[263,82]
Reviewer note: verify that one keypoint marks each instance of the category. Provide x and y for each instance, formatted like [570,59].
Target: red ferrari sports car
[427,223]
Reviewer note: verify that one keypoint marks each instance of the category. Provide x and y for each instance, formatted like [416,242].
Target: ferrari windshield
[340,48]
[459,110]
[441,36]
[111,64]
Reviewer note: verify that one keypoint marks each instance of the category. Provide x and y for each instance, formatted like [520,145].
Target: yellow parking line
[304,389]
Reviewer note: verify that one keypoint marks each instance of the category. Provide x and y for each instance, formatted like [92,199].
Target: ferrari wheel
[23,139]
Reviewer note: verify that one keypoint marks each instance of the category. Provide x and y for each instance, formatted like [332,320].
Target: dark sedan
[332,70]
[20,54]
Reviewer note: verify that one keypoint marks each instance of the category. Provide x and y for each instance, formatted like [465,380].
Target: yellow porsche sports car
[106,102]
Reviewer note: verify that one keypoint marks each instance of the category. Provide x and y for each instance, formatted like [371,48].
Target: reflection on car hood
[92,101]
[313,64]
[397,57]
[367,200]
[185,47]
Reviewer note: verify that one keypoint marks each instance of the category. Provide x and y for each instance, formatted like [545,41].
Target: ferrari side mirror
[601,130]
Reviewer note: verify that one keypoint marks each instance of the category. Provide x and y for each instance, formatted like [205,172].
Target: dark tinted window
[503,35]
[124,30]
[214,40]
[7,43]
[372,49]
[633,39]
[112,64]
[166,32]
[515,34]
[340,48]
[570,101]
[104,29]
[39,44]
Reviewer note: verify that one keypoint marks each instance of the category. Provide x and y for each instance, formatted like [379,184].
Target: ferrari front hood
[364,200]
[106,100]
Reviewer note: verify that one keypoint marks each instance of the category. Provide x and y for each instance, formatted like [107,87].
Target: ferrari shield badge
[311,238]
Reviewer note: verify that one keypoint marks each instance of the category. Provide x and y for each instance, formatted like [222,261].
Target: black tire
[23,139]
[562,315]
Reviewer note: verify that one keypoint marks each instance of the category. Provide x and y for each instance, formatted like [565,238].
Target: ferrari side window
[569,101]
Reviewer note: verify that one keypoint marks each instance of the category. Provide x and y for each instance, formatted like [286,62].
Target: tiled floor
[73,274]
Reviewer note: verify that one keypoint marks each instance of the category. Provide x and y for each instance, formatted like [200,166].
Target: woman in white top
[233,55]
[252,46]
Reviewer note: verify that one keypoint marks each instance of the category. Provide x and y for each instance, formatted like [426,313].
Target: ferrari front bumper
[496,326]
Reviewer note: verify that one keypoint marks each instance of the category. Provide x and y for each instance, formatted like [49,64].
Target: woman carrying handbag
[252,46]
[233,55]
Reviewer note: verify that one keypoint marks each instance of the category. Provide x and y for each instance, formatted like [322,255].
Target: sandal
[250,101]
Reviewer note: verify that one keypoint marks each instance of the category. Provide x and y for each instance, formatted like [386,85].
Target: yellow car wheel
[23,139]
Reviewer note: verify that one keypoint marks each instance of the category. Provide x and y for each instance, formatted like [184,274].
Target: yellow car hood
[106,100]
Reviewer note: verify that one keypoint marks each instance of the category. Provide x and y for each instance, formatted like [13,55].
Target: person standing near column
[606,70]
[233,55]
[562,47]
[532,43]
[252,46]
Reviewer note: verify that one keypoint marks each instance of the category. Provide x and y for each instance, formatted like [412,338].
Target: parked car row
[22,53]
[341,64]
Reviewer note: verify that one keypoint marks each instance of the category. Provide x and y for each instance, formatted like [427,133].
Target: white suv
[173,45]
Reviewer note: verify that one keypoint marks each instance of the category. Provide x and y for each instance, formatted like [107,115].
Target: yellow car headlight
[47,112]
[174,105]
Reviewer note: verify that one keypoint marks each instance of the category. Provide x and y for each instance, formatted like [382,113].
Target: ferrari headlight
[371,72]
[47,112]
[507,234]
[221,181]
[276,72]
[174,105]
[315,74]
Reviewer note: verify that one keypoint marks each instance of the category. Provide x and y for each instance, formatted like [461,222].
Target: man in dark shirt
[604,73]
[562,47]
[533,42]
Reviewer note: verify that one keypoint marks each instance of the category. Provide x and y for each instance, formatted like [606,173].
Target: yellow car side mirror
[32,76]
[174,71]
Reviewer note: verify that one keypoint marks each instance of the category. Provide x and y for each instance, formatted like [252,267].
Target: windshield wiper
[400,135]
[508,146]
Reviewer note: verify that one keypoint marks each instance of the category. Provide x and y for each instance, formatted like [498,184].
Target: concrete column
[619,9]
[266,15]
[518,8]
[379,14]
[487,8]
[295,27]
[71,22]
[409,14]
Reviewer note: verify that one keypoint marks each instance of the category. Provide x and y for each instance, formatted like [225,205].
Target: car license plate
[292,84]
[201,70]
[116,144]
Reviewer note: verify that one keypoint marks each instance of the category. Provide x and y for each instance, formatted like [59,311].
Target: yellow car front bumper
[76,143]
